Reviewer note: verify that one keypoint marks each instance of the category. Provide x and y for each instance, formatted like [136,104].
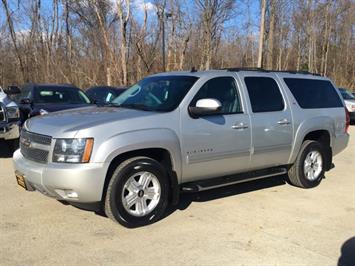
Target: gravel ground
[265,222]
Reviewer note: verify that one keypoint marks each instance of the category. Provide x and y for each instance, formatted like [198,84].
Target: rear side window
[312,93]
[264,94]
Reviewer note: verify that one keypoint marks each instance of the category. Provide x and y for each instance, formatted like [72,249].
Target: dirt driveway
[265,222]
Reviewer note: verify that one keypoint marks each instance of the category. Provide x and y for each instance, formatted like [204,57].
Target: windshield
[346,95]
[162,93]
[59,95]
[25,93]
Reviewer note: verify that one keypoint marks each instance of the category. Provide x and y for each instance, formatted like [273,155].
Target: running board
[231,180]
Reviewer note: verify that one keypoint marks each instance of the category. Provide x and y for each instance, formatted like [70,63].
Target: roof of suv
[204,73]
[38,85]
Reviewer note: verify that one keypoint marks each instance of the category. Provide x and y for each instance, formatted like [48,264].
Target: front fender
[142,139]
[307,126]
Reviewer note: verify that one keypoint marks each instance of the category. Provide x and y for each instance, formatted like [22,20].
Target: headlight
[349,106]
[13,112]
[43,112]
[73,150]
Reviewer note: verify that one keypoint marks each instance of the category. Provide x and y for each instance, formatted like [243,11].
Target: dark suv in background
[41,99]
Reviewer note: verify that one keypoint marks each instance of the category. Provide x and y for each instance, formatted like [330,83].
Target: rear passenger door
[271,119]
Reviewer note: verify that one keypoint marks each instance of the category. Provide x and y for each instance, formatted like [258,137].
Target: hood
[56,107]
[2,94]
[350,101]
[66,124]
[6,100]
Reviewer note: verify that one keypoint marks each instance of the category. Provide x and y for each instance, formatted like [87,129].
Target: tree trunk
[14,41]
[261,34]
[271,38]
[107,50]
[123,18]
[183,51]
[299,54]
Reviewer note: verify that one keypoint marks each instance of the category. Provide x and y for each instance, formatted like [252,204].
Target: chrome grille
[35,147]
[2,113]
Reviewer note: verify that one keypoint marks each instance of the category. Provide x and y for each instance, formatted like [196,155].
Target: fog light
[67,193]
[71,194]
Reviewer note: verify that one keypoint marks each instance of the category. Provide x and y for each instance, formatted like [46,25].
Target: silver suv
[9,121]
[184,131]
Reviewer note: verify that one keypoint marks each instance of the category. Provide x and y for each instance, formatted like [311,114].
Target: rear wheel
[138,191]
[308,170]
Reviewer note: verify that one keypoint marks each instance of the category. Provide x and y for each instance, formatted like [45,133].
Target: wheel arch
[161,155]
[317,129]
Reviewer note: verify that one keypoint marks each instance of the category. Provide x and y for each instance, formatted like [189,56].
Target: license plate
[20,180]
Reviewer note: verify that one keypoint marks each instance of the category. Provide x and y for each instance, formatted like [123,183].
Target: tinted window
[264,94]
[159,93]
[311,93]
[59,95]
[224,90]
[25,93]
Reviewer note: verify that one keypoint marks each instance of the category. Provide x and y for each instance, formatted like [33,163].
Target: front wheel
[138,192]
[13,145]
[308,170]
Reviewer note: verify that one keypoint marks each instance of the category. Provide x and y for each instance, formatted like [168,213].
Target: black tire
[13,145]
[113,206]
[296,172]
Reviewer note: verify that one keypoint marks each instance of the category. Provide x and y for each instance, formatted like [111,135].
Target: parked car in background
[184,131]
[104,94]
[9,120]
[349,100]
[353,94]
[41,99]
[12,91]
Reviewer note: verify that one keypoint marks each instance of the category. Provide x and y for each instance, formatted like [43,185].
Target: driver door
[218,144]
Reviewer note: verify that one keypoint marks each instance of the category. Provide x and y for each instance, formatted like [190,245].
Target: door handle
[284,122]
[240,126]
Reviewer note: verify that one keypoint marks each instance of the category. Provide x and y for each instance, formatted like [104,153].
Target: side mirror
[26,101]
[205,107]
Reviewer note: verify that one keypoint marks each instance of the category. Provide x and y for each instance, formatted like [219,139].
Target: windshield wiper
[107,105]
[137,106]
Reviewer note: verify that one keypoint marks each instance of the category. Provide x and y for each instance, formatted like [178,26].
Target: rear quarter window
[313,94]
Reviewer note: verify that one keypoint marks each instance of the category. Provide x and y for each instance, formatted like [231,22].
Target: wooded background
[117,42]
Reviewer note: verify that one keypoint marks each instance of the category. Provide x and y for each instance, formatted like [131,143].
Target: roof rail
[237,69]
[296,72]
[193,69]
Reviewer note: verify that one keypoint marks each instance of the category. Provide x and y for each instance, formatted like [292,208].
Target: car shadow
[347,257]
[209,195]
[5,150]
[228,191]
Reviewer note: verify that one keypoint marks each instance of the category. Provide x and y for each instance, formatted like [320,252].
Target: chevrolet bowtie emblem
[26,142]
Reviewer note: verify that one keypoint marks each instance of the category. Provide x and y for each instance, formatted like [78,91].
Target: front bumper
[70,182]
[9,130]
[352,116]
